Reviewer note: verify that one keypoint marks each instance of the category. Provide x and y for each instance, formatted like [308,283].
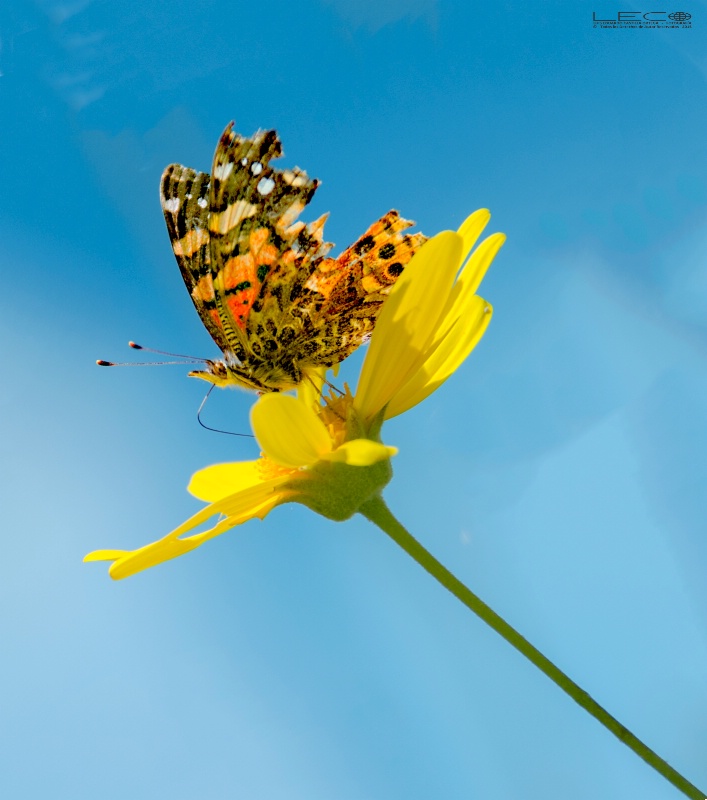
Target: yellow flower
[326,452]
[430,323]
[243,490]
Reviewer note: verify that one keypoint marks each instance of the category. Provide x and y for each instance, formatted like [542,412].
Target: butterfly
[272,299]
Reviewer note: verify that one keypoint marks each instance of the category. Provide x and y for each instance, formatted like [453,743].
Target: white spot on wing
[223,222]
[203,202]
[172,205]
[222,171]
[266,185]
[295,179]
[256,168]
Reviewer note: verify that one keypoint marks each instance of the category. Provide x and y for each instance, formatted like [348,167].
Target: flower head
[325,451]
[431,321]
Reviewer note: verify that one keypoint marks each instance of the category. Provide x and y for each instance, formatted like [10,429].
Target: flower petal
[104,555]
[471,228]
[361,453]
[445,359]
[467,284]
[464,322]
[289,431]
[480,260]
[220,480]
[255,501]
[407,321]
[310,390]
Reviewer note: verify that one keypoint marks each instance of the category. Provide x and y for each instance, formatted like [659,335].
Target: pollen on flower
[335,412]
[268,469]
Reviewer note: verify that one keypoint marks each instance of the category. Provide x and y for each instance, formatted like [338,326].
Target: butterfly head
[232,373]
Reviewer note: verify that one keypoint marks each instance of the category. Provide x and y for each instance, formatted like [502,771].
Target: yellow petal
[464,322]
[250,503]
[467,284]
[289,431]
[310,390]
[171,546]
[445,359]
[361,453]
[104,555]
[471,228]
[407,321]
[480,260]
[220,480]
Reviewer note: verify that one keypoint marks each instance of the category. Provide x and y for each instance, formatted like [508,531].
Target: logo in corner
[642,19]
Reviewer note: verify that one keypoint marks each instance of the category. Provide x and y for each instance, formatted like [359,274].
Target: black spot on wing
[364,245]
[387,251]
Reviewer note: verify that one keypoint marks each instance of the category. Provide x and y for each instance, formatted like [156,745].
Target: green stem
[377,512]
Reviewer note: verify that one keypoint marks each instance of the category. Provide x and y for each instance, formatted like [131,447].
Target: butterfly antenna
[135,346]
[334,388]
[325,382]
[191,359]
[216,430]
[102,363]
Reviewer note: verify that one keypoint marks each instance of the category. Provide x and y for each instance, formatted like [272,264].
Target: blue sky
[560,472]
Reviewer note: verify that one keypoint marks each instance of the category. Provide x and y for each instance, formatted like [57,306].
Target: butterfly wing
[345,294]
[261,281]
[257,252]
[184,195]
[361,277]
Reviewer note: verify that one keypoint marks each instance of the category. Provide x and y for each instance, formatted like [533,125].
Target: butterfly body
[263,284]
